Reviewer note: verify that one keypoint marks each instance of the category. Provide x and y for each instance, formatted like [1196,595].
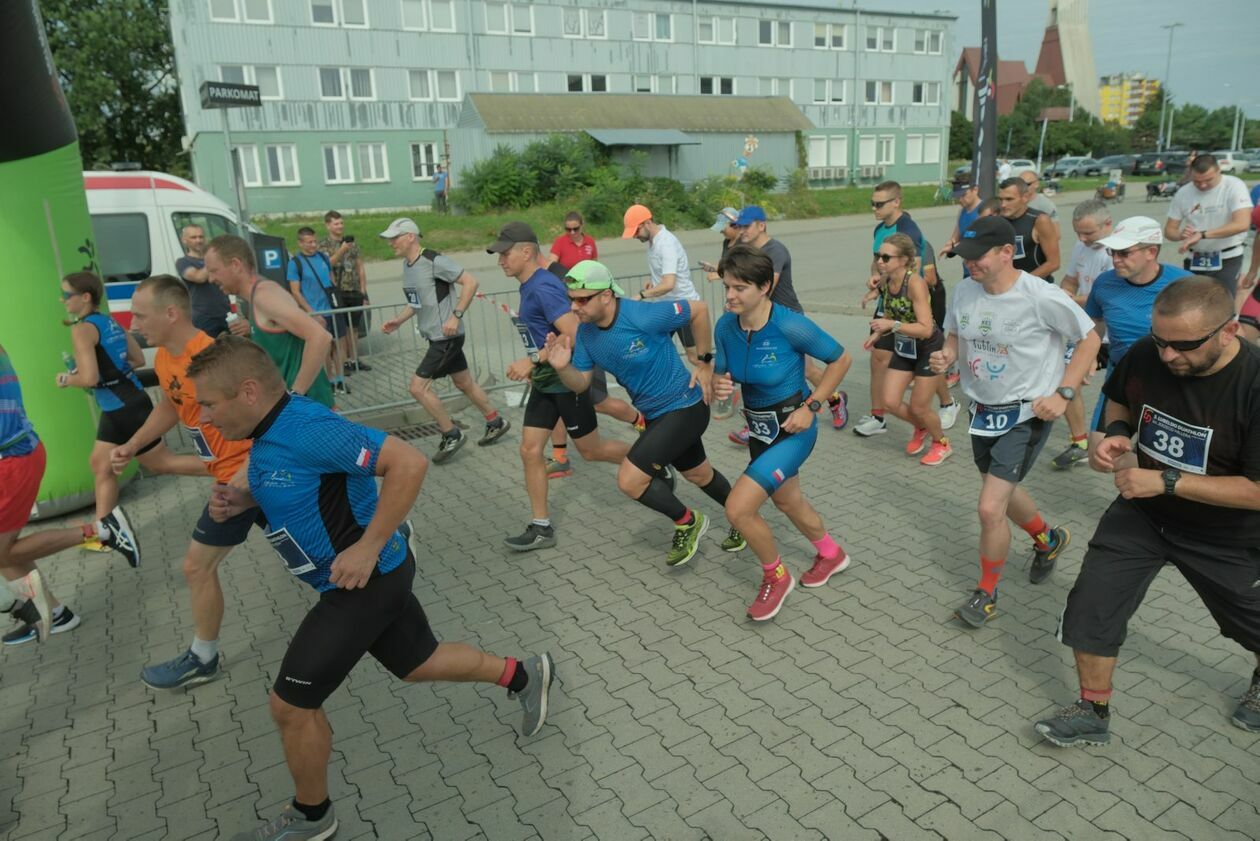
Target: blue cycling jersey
[117,383]
[1126,307]
[312,472]
[638,350]
[17,436]
[770,362]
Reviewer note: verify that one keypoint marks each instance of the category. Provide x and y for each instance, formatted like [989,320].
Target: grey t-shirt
[784,294]
[1040,202]
[207,301]
[429,284]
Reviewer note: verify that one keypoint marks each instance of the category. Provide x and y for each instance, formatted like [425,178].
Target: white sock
[205,650]
[102,530]
[57,611]
[545,522]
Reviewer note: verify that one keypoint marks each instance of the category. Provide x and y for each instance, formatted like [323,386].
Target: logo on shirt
[678,308]
[769,359]
[778,477]
[636,347]
[175,391]
[365,457]
[964,320]
[278,479]
[986,325]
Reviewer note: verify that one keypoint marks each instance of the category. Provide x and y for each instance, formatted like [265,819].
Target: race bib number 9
[1205,261]
[1174,442]
[199,443]
[764,426]
[994,420]
[293,555]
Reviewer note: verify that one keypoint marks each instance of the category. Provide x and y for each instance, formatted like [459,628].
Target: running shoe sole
[879,431]
[848,559]
[495,434]
[124,525]
[187,684]
[547,673]
[539,543]
[1071,741]
[43,603]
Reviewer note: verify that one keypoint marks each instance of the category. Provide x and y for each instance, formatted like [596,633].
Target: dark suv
[1160,163]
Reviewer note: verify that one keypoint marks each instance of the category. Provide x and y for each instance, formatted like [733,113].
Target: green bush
[497,183]
[761,178]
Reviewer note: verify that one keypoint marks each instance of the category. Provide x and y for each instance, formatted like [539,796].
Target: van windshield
[122,246]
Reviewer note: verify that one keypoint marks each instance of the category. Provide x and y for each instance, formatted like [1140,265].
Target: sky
[1217,44]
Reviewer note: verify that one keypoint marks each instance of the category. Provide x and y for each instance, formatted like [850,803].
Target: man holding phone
[350,280]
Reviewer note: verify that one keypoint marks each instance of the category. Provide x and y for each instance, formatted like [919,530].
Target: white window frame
[880,32]
[830,30]
[411,88]
[341,82]
[371,148]
[914,149]
[652,25]
[775,86]
[816,151]
[437,88]
[246,155]
[513,81]
[342,10]
[236,12]
[348,83]
[433,27]
[931,148]
[336,10]
[511,11]
[886,143]
[867,150]
[832,84]
[716,21]
[928,35]
[339,15]
[253,69]
[776,31]
[342,178]
[834,142]
[923,97]
[879,90]
[716,83]
[423,5]
[587,82]
[246,73]
[425,160]
[286,156]
[635,78]
[584,22]
[814,97]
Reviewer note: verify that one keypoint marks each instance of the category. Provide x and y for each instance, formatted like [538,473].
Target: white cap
[400,226]
[1136,230]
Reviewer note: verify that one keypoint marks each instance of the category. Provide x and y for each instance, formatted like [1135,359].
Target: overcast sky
[1218,43]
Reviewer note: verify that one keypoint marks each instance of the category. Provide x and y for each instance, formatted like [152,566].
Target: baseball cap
[401,225]
[511,234]
[985,233]
[750,214]
[592,275]
[961,190]
[1136,230]
[726,216]
[635,216]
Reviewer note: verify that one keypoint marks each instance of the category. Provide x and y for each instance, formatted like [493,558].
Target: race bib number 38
[1174,442]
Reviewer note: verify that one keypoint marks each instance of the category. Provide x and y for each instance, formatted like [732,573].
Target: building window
[265,76]
[931,148]
[373,166]
[839,145]
[420,87]
[881,39]
[414,15]
[652,26]
[587,83]
[282,169]
[717,85]
[866,151]
[775,87]
[422,15]
[927,41]
[324,12]
[423,161]
[774,33]
[424,84]
[829,91]
[362,83]
[330,86]
[337,166]
[879,93]
[887,149]
[442,15]
[926,93]
[584,23]
[508,81]
[237,11]
[232,73]
[352,13]
[513,18]
[653,84]
[914,148]
[447,85]
[817,154]
[716,30]
[247,165]
[829,36]
[829,150]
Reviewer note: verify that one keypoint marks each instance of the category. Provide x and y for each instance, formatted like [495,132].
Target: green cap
[593,275]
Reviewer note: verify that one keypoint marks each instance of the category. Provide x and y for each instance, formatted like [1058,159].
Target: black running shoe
[978,609]
[29,630]
[495,431]
[534,537]
[449,446]
[1044,559]
[1077,724]
[119,535]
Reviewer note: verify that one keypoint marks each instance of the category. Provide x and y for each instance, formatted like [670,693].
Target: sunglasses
[66,296]
[583,300]
[1125,253]
[876,205]
[884,258]
[1187,344]
[573,230]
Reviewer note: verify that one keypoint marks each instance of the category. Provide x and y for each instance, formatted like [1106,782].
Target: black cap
[985,233]
[511,234]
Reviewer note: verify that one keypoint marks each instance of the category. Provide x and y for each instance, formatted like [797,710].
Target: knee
[529,452]
[921,407]
[419,388]
[991,513]
[631,481]
[739,515]
[285,714]
[99,463]
[699,476]
[197,571]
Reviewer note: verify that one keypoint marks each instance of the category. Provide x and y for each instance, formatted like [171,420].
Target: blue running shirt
[113,371]
[1126,307]
[770,363]
[312,472]
[639,351]
[17,436]
[544,301]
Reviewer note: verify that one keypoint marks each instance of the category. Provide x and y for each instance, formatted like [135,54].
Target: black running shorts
[921,365]
[674,438]
[117,426]
[685,336]
[1010,456]
[1125,554]
[383,619]
[231,532]
[543,409]
[443,358]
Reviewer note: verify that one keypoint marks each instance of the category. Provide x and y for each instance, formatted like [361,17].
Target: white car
[1232,162]
[1021,165]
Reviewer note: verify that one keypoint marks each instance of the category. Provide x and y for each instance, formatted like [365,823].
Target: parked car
[1231,161]
[1253,161]
[1124,163]
[1021,165]
[1070,167]
[1160,163]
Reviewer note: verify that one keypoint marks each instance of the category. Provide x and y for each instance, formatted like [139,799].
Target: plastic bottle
[68,359]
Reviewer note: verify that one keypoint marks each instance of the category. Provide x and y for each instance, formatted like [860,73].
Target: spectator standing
[350,280]
[310,281]
[573,246]
[441,185]
[210,307]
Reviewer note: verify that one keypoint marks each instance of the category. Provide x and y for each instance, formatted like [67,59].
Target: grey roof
[547,112]
[641,137]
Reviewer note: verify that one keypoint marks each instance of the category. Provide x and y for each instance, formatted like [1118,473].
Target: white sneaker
[948,415]
[870,425]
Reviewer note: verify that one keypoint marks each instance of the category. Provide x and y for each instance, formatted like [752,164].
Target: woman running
[104,360]
[904,324]
[763,347]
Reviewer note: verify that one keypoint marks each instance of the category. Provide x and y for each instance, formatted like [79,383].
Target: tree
[116,64]
[962,137]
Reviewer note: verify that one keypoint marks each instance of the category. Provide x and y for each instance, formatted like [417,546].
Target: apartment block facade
[1123,97]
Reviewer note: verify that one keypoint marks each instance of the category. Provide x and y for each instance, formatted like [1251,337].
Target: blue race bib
[764,426]
[997,419]
[1174,442]
[199,443]
[906,347]
[1205,261]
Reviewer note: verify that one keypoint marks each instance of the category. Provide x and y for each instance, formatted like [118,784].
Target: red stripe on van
[123,319]
[131,182]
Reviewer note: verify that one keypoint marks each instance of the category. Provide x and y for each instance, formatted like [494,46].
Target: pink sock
[509,669]
[827,548]
[773,565]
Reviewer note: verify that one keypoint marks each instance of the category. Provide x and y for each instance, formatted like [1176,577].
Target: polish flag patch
[779,477]
[365,457]
[677,308]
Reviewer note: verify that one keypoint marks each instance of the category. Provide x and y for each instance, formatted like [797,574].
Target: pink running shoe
[775,586]
[824,568]
[918,441]
[740,437]
[840,411]
[937,453]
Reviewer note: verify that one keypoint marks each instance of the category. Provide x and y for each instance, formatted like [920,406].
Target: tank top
[1028,254]
[17,436]
[285,349]
[117,384]
[898,306]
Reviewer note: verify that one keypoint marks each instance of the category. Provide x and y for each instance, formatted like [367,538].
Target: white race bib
[995,420]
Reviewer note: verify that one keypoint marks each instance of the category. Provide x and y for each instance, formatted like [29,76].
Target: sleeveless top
[285,349]
[898,306]
[17,436]
[117,384]
[1028,254]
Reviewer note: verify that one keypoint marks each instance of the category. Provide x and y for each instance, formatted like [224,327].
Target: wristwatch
[458,313]
[896,328]
[1171,475]
[533,357]
[1066,393]
[705,357]
[814,406]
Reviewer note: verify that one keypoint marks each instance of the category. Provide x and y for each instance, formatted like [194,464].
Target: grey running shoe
[1077,724]
[734,542]
[542,671]
[184,670]
[495,431]
[292,825]
[1044,559]
[534,537]
[449,446]
[1072,455]
[1247,716]
[870,425]
[978,609]
[559,469]
[119,535]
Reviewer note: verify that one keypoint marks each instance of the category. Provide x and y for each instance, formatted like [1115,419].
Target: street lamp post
[1171,27]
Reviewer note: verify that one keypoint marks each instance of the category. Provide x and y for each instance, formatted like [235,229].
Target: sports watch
[1066,393]
[814,406]
[458,314]
[534,357]
[705,357]
[1171,475]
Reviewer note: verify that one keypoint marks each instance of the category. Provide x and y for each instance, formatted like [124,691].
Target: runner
[335,532]
[909,326]
[297,343]
[545,309]
[1091,220]
[632,339]
[429,281]
[764,346]
[1014,327]
[668,264]
[1189,496]
[1036,236]
[1210,220]
[161,312]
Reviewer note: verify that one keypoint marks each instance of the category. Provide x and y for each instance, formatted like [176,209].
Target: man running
[429,281]
[1189,496]
[297,343]
[1036,236]
[1210,221]
[1014,327]
[668,264]
[632,339]
[313,475]
[544,309]
[161,311]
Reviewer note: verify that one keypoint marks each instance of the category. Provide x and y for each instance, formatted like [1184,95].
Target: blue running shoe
[185,670]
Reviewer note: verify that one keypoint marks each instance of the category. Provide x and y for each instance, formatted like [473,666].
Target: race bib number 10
[1174,442]
[995,420]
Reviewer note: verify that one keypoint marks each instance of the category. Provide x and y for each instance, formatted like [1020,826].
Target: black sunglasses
[878,204]
[573,230]
[884,258]
[1125,252]
[1187,344]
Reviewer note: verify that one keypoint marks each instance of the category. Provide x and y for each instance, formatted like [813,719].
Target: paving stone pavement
[863,711]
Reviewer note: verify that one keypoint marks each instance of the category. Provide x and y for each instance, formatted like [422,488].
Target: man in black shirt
[210,307]
[1189,495]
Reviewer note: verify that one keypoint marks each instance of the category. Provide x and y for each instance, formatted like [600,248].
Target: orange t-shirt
[223,458]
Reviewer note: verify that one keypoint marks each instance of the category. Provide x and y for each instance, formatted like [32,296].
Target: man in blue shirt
[440,182]
[313,474]
[310,281]
[632,340]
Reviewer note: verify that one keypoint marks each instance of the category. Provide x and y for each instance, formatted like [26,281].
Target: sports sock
[493,417]
[1038,531]
[878,414]
[990,572]
[57,611]
[773,566]
[453,432]
[89,531]
[827,548]
[1081,441]
[1100,698]
[560,452]
[205,650]
[834,398]
[718,488]
[313,813]
[686,519]
[509,671]
[661,499]
[639,420]
[544,522]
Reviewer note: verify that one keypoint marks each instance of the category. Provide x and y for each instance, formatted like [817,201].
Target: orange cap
[635,216]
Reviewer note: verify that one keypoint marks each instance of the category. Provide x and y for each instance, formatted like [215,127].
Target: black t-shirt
[1198,425]
[206,300]
[784,295]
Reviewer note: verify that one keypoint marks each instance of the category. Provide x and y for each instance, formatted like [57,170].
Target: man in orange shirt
[160,311]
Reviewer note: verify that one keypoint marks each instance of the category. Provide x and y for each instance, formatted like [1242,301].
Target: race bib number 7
[1174,442]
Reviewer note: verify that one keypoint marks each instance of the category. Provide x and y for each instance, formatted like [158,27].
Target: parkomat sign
[229,95]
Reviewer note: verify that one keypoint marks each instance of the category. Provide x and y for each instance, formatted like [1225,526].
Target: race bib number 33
[1174,442]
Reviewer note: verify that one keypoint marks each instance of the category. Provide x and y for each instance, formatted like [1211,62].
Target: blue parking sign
[271,258]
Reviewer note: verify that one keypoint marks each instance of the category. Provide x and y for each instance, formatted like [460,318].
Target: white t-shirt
[1085,264]
[667,256]
[1011,345]
[1207,209]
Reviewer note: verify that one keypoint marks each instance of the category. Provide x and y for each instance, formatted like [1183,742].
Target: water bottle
[68,359]
[234,313]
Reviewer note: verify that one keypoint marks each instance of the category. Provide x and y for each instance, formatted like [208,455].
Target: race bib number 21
[1174,442]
